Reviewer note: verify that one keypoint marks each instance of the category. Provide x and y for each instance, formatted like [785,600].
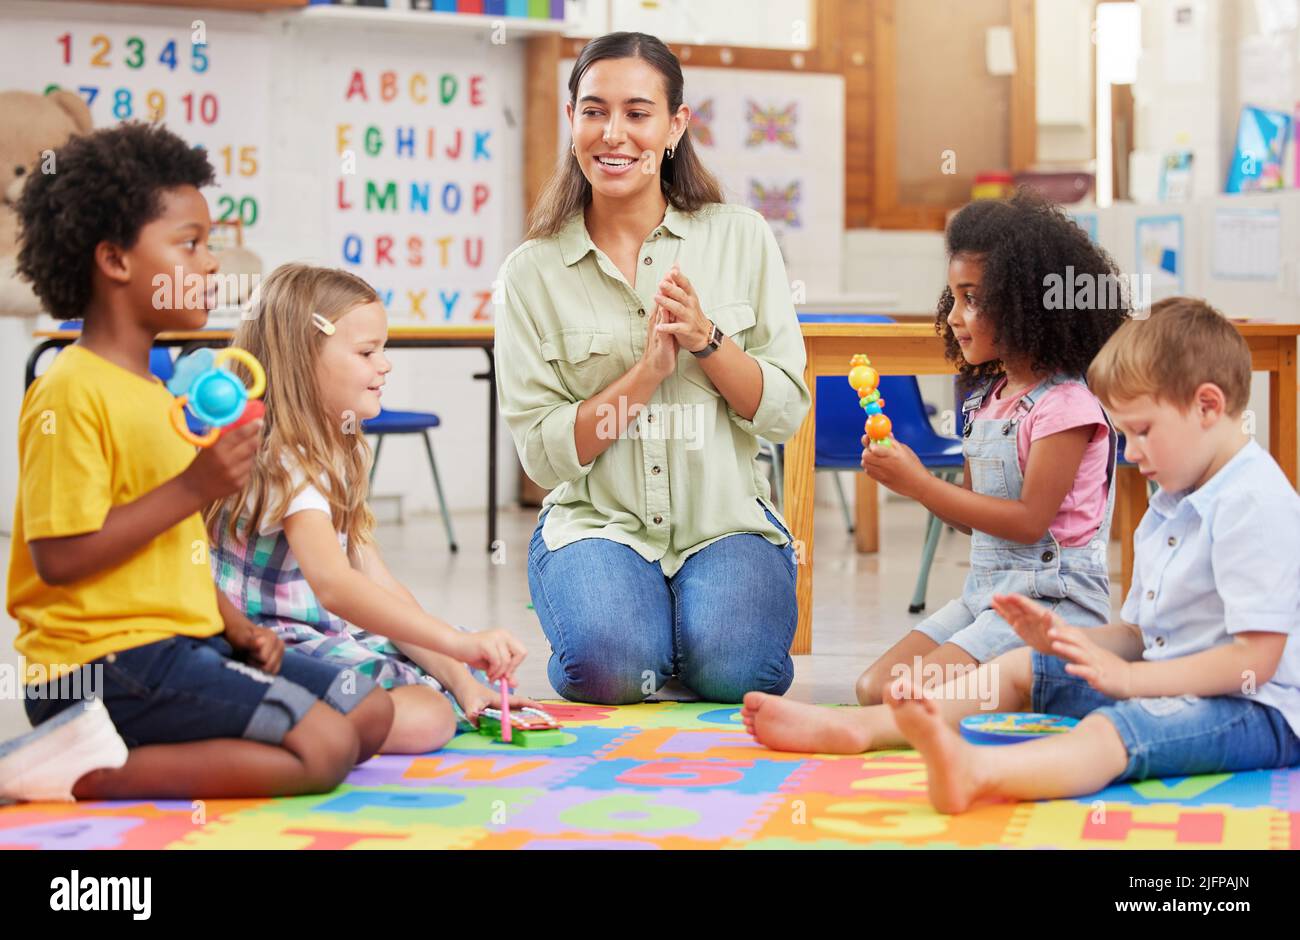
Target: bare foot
[952,765]
[784,725]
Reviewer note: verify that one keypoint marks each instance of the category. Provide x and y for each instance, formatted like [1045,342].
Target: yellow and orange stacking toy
[864,380]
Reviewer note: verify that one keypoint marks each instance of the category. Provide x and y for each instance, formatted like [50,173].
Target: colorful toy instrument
[1013,727]
[865,381]
[214,395]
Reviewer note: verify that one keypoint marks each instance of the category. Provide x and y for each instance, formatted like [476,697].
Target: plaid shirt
[261,577]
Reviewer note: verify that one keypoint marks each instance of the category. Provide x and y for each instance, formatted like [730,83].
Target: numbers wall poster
[207,83]
[418,176]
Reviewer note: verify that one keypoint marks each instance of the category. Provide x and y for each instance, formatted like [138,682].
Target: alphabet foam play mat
[670,775]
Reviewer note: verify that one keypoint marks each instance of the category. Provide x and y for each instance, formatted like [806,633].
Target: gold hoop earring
[573,148]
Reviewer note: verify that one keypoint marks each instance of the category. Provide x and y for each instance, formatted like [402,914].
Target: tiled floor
[860,607]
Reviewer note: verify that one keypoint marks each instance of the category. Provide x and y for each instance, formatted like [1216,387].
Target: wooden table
[915,349]
[399,337]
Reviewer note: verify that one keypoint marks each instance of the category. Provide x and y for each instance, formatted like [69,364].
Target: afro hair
[106,186]
[1023,243]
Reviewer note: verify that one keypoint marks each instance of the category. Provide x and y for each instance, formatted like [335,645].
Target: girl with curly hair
[1037,492]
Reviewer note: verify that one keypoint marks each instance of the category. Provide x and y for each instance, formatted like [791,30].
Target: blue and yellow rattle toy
[1013,727]
[865,380]
[214,395]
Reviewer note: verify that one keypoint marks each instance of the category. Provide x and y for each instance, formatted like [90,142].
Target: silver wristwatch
[715,340]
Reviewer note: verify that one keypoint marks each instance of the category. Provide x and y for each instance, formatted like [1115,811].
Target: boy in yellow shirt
[108,577]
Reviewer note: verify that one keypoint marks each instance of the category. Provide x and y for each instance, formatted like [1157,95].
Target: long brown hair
[686,183]
[299,435]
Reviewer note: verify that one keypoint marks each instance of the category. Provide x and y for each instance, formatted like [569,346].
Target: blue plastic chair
[160,360]
[411,422]
[838,445]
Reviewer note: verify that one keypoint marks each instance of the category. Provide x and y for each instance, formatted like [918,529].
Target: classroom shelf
[385,16]
[239,6]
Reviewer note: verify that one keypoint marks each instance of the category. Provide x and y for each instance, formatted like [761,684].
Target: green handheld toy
[528,727]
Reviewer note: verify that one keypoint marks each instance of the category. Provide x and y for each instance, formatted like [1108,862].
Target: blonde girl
[295,550]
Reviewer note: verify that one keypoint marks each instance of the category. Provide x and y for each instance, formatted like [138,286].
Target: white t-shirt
[309,497]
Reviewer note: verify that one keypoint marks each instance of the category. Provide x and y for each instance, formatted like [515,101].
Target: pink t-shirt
[1061,408]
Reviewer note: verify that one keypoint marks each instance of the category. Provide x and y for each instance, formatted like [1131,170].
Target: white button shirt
[1221,560]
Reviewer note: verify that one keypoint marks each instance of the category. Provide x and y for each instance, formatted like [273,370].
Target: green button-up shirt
[685,474]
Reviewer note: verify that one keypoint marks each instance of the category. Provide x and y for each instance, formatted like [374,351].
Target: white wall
[1184,96]
[911,265]
[1063,80]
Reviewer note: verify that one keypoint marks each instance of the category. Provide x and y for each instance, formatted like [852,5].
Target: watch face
[715,340]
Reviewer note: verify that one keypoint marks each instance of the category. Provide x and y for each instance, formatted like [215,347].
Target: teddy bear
[31,126]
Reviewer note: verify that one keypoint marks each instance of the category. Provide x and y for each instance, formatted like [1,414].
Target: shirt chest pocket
[734,319]
[584,359]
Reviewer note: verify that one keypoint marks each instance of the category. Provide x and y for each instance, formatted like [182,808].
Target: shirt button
[1160,641]
[654,470]
[641,312]
[650,418]
[1048,556]
[111,657]
[1151,595]
[659,520]
[1172,540]
[648,260]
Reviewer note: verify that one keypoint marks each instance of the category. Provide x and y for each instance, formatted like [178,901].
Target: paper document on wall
[1247,244]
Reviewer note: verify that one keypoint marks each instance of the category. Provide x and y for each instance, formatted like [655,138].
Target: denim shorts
[190,689]
[1175,736]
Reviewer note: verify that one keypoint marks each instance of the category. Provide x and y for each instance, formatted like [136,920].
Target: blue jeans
[191,689]
[619,629]
[1176,736]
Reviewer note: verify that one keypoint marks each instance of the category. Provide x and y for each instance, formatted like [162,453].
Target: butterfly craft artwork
[702,123]
[777,203]
[772,125]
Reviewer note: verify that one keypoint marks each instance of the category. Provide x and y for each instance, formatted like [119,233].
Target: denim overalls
[1074,582]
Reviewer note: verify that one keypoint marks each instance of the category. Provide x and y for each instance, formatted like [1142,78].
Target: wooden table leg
[1130,505]
[1282,409]
[800,454]
[866,513]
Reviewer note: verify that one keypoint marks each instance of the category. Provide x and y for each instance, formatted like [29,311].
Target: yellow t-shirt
[92,436]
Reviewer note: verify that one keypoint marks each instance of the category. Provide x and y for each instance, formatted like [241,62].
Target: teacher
[646,337]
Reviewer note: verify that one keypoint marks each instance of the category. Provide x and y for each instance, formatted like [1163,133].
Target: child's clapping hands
[1045,631]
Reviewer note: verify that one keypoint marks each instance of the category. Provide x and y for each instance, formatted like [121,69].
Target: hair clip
[325,326]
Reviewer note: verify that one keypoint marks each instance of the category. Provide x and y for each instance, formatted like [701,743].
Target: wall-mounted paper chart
[417,150]
[205,82]
[1247,244]
[1160,260]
